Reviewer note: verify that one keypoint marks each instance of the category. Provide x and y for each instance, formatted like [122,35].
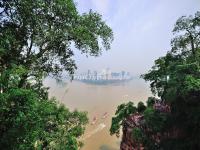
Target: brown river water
[98,100]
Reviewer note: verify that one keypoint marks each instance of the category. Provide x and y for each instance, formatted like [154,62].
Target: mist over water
[97,100]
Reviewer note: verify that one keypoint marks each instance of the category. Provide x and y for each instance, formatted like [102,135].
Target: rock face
[137,121]
[128,142]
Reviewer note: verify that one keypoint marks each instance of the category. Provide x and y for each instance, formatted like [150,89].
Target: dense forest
[171,119]
[36,38]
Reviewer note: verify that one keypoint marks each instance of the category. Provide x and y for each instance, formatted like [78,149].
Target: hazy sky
[142,31]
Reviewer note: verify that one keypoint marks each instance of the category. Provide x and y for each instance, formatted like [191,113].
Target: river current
[100,101]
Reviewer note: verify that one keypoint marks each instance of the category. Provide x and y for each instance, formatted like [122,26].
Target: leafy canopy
[37,38]
[123,111]
[175,78]
[26,122]
[41,34]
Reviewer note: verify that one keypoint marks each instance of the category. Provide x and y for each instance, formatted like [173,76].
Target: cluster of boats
[94,120]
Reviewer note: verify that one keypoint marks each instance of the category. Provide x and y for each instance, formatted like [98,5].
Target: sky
[142,32]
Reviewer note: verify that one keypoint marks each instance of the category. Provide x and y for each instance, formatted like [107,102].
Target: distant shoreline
[104,81]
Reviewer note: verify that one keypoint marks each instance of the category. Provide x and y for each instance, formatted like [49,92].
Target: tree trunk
[23,81]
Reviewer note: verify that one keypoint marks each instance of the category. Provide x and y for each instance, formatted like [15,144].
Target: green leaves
[36,40]
[123,111]
[137,134]
[175,78]
[141,107]
[155,120]
[38,34]
[26,122]
[181,61]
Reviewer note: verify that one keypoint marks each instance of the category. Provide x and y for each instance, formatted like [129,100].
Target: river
[98,100]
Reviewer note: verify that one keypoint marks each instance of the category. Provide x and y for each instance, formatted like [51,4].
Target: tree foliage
[175,78]
[37,38]
[26,122]
[141,107]
[40,35]
[123,111]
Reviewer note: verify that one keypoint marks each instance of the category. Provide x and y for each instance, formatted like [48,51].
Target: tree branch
[2,12]
[191,41]
[30,48]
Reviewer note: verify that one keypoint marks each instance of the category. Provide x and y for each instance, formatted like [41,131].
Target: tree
[37,38]
[175,78]
[39,35]
[141,107]
[181,62]
[123,111]
[26,122]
